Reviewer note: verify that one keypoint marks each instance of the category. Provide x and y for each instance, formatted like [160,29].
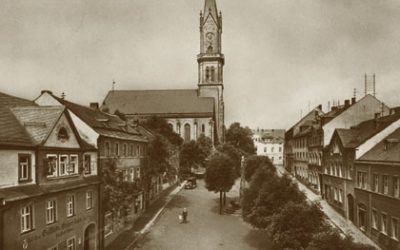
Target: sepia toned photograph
[199,125]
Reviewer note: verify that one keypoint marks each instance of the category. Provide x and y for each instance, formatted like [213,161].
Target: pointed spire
[210,6]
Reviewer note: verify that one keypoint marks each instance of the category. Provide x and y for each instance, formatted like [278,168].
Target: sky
[282,57]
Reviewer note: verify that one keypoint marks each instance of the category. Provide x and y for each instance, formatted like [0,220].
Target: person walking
[184,215]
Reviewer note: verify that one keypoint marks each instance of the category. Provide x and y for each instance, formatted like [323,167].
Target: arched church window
[207,73]
[187,133]
[212,73]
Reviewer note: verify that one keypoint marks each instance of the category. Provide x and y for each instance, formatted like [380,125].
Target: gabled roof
[38,121]
[153,102]
[11,131]
[13,101]
[355,136]
[385,151]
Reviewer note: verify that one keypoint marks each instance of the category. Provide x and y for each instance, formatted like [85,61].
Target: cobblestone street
[206,229]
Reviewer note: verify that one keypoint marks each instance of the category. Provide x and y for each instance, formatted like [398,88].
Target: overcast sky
[281,56]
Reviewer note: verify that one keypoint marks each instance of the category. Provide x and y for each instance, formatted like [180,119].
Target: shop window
[70,205]
[89,200]
[71,245]
[51,211]
[24,169]
[27,218]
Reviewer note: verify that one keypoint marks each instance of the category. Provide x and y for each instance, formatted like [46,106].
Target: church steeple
[211,60]
[210,7]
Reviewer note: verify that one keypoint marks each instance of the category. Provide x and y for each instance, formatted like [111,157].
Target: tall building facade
[189,112]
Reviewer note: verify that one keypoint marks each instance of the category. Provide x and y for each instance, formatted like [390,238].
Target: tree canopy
[161,126]
[240,138]
[220,175]
[252,163]
[234,154]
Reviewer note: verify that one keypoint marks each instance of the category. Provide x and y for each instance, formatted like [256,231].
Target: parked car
[191,183]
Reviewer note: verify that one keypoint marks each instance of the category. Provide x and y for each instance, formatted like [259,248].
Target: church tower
[211,62]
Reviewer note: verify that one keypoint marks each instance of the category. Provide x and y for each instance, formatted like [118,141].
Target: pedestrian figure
[184,215]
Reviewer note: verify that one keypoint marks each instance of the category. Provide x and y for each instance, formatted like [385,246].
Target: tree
[330,239]
[190,156]
[205,147]
[254,162]
[158,154]
[220,175]
[267,195]
[294,226]
[160,125]
[240,138]
[234,154]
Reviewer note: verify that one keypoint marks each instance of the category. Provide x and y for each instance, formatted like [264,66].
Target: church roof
[158,102]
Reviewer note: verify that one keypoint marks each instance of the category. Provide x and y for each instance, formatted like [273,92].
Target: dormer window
[24,170]
[62,134]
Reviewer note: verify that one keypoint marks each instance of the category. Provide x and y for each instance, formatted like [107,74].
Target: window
[375,183]
[137,150]
[71,244]
[340,196]
[207,73]
[52,165]
[385,184]
[125,150]
[374,219]
[272,149]
[265,149]
[117,149]
[395,228]
[203,128]
[362,221]
[361,180]
[178,129]
[73,164]
[131,150]
[396,186]
[89,200]
[280,149]
[70,205]
[62,134]
[51,211]
[125,175]
[62,170]
[212,73]
[87,162]
[137,173]
[26,219]
[384,223]
[107,149]
[335,194]
[24,170]
[132,174]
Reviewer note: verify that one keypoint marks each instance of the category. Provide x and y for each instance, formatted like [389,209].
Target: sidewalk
[127,239]
[337,220]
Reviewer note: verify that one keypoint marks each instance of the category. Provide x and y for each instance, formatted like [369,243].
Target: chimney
[94,105]
[353,100]
[346,103]
[320,107]
[46,91]
[63,95]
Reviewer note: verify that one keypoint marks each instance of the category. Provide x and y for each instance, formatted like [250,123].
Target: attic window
[102,119]
[62,134]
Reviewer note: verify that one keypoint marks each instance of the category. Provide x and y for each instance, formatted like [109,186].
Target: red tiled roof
[158,102]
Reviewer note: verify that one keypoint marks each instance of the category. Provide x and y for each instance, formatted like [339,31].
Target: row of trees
[275,204]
